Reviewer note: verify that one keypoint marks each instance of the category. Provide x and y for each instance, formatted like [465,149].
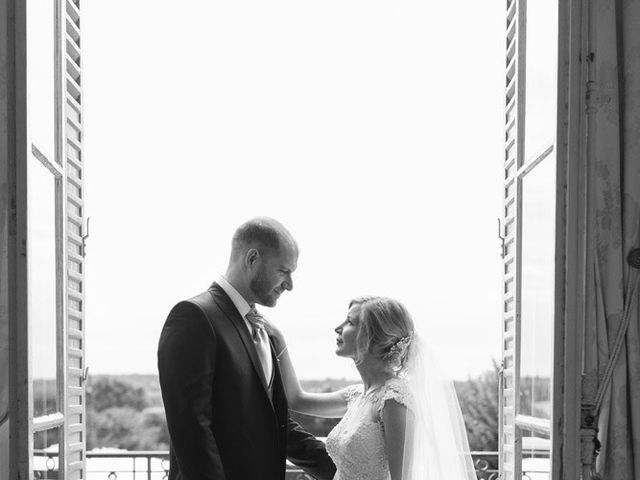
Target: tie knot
[255,318]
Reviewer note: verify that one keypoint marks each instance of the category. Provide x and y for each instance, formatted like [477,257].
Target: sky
[372,129]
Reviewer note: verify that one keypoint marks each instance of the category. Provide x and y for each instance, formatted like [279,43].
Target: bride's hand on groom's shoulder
[275,334]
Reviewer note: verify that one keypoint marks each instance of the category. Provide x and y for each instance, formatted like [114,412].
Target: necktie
[261,341]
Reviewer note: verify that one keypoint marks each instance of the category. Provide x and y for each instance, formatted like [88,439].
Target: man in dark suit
[223,395]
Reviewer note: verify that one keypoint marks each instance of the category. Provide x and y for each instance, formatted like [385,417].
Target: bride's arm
[394,417]
[329,405]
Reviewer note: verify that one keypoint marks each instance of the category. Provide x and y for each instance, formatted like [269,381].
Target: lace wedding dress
[356,444]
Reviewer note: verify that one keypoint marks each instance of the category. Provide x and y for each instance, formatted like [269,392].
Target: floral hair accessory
[398,351]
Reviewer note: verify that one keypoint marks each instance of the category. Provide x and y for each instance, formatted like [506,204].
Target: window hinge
[84,238]
[502,238]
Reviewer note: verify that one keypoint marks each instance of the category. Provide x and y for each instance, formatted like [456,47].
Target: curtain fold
[613,112]
[4,325]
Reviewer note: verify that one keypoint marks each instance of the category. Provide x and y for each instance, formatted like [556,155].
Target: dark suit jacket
[222,423]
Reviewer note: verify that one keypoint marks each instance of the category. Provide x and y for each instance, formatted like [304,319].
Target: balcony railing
[154,465]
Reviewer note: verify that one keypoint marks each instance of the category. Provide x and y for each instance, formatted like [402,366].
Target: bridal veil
[436,445]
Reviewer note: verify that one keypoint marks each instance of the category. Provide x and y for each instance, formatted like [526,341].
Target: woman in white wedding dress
[403,422]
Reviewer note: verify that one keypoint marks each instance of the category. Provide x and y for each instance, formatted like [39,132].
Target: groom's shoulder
[204,302]
[212,305]
[202,299]
[193,314]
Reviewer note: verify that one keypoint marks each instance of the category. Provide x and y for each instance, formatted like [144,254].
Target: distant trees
[535,396]
[478,399]
[119,415]
[126,412]
[105,392]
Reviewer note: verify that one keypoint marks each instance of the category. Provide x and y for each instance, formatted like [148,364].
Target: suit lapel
[229,309]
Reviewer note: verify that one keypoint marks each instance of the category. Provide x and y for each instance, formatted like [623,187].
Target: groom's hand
[308,453]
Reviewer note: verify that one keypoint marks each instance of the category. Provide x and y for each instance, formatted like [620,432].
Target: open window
[45,231]
[530,219]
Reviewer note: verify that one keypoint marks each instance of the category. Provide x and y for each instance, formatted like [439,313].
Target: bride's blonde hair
[385,330]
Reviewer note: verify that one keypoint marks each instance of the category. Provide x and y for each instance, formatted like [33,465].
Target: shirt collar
[240,303]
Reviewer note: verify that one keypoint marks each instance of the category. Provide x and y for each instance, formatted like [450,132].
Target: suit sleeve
[308,453]
[186,364]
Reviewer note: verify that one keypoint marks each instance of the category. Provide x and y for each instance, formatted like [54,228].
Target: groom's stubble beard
[262,290]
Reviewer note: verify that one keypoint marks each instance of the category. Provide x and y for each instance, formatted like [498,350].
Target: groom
[221,387]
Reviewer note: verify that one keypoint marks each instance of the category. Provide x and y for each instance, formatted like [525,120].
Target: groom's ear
[251,257]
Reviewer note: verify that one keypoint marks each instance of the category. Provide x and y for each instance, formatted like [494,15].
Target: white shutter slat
[76,427]
[76,447]
[74,333]
[75,352]
[75,409]
[72,101]
[75,144]
[73,12]
[75,390]
[73,88]
[73,49]
[73,30]
[71,121]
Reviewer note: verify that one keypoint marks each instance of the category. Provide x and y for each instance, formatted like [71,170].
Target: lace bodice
[356,444]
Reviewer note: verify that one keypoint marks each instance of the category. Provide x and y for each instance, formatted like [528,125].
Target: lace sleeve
[397,390]
[351,392]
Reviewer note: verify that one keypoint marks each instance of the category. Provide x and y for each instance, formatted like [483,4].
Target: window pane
[42,286]
[45,454]
[536,457]
[537,295]
[541,69]
[40,64]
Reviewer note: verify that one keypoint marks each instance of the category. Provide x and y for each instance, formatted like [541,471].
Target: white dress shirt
[243,308]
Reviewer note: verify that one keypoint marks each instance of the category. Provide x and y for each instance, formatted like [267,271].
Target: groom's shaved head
[264,256]
[264,234]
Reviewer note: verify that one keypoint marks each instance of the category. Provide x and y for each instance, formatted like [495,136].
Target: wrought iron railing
[134,465]
[486,464]
[154,465]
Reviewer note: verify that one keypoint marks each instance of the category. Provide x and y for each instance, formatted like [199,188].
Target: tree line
[125,411]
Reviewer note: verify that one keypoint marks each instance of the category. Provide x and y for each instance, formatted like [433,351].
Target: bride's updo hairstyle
[385,330]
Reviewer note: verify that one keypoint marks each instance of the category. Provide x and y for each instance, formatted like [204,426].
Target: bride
[403,422]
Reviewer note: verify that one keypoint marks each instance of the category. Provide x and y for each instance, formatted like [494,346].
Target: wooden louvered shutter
[513,132]
[76,231]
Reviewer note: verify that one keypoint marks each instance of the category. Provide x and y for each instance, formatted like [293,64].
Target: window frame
[563,426]
[70,229]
